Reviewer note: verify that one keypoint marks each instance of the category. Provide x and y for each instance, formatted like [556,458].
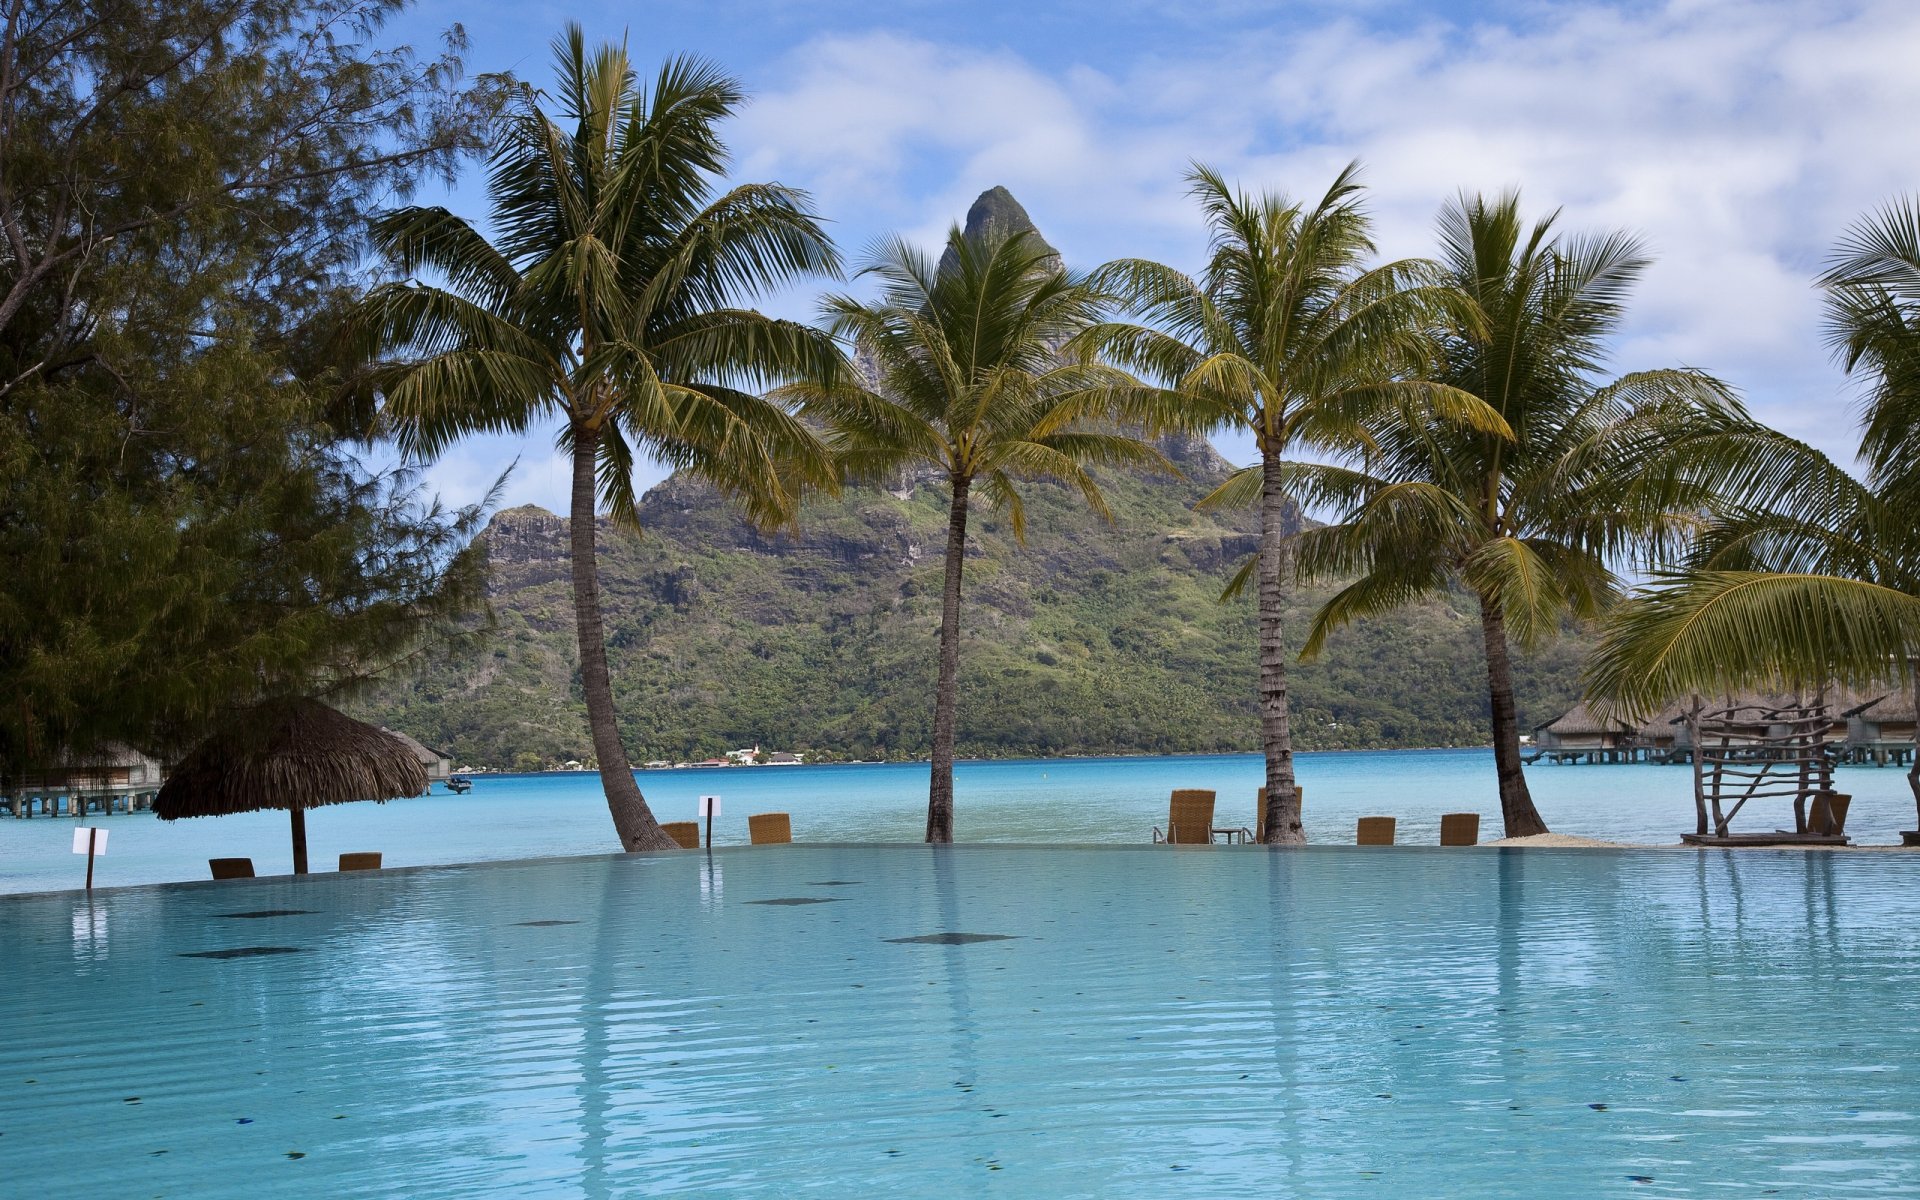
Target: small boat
[459,785]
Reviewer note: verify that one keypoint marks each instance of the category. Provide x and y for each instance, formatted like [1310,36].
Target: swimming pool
[977,1020]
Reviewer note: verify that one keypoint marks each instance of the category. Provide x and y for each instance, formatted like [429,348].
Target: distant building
[744,758]
[1882,729]
[780,758]
[438,764]
[116,767]
[1580,735]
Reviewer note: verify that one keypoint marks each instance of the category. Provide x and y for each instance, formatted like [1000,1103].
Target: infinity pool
[1016,1021]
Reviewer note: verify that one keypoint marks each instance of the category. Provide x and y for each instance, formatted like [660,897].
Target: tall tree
[609,299]
[1291,336]
[1532,525]
[183,197]
[973,381]
[1815,576]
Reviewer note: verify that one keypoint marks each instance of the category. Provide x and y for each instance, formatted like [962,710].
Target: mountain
[1092,638]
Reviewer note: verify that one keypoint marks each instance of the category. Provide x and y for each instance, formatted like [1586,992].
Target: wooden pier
[38,802]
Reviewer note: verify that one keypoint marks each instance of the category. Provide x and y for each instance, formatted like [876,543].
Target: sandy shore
[1568,839]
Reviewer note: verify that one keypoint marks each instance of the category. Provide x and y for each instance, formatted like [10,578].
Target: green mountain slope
[1093,638]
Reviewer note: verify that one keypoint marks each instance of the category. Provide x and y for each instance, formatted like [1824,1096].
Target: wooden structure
[1761,751]
[1581,735]
[1881,730]
[118,778]
[360,860]
[436,763]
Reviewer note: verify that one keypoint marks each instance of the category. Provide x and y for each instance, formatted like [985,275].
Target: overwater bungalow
[117,778]
[1581,735]
[438,763]
[1881,730]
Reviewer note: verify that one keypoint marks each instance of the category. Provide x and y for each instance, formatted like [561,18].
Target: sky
[1738,138]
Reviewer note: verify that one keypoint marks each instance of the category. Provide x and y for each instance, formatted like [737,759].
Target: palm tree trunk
[1517,813]
[632,819]
[946,691]
[1276,729]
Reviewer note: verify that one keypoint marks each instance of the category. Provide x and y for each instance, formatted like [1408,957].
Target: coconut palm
[1817,578]
[1292,337]
[608,300]
[1532,526]
[972,381]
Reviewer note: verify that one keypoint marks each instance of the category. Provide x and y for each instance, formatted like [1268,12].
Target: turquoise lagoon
[1093,800]
[977,1021]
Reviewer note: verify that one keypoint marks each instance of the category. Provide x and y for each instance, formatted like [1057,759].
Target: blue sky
[1738,137]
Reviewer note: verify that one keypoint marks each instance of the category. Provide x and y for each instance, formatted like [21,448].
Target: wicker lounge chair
[687,833]
[1189,818]
[231,868]
[368,860]
[1459,829]
[1374,831]
[769,829]
[1259,833]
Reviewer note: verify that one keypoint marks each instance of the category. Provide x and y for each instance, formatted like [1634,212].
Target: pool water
[978,1021]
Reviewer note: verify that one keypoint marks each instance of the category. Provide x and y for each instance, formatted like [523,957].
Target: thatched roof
[426,754]
[1580,720]
[288,753]
[1896,705]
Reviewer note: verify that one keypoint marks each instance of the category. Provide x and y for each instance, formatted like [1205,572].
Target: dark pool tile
[544,924]
[244,952]
[799,900]
[952,939]
[836,883]
[270,912]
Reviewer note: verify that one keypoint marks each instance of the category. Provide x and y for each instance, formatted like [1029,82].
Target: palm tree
[1292,337]
[1532,525]
[972,381]
[607,299]
[1816,578]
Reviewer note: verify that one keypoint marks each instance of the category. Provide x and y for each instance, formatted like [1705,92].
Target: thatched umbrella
[291,754]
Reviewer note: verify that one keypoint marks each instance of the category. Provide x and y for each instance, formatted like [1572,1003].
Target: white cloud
[1738,138]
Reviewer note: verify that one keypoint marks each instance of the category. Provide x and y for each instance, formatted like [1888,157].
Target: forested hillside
[1092,638]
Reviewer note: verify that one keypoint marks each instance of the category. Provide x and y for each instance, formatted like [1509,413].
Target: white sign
[86,833]
[709,806]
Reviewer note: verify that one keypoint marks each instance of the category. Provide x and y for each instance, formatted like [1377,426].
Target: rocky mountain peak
[997,214]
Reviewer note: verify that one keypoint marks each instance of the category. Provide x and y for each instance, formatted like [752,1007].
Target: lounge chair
[231,868]
[1259,833]
[1459,829]
[769,829]
[1374,831]
[365,860]
[1189,818]
[687,833]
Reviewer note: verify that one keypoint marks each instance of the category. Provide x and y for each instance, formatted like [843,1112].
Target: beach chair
[1829,815]
[363,860]
[1459,829]
[1189,818]
[231,868]
[1260,812]
[769,829]
[1374,831]
[687,833]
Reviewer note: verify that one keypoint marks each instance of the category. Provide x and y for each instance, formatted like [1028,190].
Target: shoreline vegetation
[201,536]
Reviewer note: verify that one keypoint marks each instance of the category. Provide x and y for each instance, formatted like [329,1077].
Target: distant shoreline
[1006,758]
